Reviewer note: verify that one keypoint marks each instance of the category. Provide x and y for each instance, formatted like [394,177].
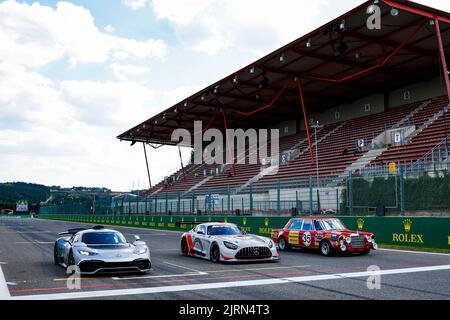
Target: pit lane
[26,261]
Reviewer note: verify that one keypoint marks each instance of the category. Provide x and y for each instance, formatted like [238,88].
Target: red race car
[328,235]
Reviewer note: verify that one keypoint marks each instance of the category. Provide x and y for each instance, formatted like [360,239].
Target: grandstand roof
[337,63]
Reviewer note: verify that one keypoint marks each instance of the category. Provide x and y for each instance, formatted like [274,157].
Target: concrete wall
[419,91]
[287,127]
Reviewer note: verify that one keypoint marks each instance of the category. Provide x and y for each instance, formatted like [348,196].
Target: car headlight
[140,250]
[230,245]
[270,244]
[348,240]
[87,253]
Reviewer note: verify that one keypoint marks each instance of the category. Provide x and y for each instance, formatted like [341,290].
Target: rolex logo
[244,221]
[266,222]
[407,224]
[360,223]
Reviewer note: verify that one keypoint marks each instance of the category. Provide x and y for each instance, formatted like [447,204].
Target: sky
[75,74]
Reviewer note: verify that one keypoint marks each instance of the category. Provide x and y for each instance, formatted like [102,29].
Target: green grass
[437,250]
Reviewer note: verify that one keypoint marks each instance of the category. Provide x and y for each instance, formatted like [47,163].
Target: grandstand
[381,96]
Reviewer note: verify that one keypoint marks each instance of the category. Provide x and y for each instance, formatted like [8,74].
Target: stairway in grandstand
[246,171]
[296,152]
[410,116]
[433,125]
[358,165]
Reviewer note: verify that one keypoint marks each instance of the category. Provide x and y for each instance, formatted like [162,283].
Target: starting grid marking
[186,274]
[206,286]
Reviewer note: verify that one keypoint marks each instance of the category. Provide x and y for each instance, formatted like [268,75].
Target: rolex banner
[22,206]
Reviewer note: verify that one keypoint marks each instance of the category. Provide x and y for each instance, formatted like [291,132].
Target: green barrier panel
[427,232]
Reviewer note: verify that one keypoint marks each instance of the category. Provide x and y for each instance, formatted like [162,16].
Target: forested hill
[11,192]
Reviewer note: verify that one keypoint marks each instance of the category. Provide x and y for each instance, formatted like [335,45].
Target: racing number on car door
[307,234]
[306,239]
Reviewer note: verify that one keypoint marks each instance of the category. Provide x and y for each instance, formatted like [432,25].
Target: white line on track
[417,252]
[162,276]
[24,232]
[183,267]
[219,285]
[34,242]
[4,291]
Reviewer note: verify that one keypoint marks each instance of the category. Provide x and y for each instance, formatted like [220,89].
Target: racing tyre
[70,260]
[283,245]
[184,247]
[325,248]
[55,256]
[215,253]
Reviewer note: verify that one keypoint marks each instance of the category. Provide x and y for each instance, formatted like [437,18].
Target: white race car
[219,241]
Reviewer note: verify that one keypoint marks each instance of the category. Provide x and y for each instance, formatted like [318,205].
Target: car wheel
[215,253]
[325,248]
[184,247]
[70,261]
[283,245]
[55,255]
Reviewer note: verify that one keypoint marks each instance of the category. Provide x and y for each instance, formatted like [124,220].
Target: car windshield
[330,224]
[224,230]
[103,238]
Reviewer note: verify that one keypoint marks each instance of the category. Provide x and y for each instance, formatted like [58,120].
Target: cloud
[443,5]
[64,132]
[124,71]
[35,35]
[109,28]
[213,25]
[109,103]
[135,4]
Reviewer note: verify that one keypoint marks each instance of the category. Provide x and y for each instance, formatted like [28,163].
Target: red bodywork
[311,239]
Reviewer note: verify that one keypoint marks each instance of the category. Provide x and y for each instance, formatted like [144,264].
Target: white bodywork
[232,247]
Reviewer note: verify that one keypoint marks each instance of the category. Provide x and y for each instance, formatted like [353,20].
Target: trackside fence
[401,192]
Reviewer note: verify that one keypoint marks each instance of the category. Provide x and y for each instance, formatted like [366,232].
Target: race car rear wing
[73,231]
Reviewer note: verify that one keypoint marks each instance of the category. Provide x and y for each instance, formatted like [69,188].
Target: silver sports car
[219,241]
[100,250]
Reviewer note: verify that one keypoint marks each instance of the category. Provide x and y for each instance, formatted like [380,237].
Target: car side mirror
[136,238]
